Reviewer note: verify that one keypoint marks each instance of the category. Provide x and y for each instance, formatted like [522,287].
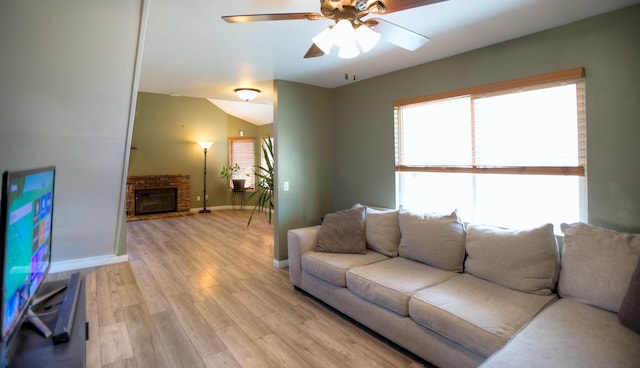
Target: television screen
[27,215]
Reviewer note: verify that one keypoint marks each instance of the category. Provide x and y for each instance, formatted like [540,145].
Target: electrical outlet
[198,198]
[286,186]
[206,197]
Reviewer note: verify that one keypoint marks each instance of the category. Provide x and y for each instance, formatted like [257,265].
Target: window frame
[575,75]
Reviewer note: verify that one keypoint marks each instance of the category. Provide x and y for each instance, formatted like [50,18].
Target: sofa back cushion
[629,313]
[382,231]
[597,265]
[434,239]
[524,260]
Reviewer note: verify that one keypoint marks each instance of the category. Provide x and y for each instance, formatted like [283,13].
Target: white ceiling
[190,51]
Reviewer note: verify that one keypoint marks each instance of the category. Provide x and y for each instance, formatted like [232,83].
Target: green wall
[304,158]
[166,133]
[607,46]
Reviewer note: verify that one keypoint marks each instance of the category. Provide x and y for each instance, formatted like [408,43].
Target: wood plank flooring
[201,291]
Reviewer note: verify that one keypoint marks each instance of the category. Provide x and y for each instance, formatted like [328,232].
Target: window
[507,154]
[243,154]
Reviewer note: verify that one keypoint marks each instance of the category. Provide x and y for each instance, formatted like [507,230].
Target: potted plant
[231,173]
[264,187]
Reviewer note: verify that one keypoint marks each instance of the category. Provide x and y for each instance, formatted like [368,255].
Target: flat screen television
[25,244]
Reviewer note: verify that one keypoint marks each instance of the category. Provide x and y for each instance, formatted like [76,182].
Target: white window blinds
[243,154]
[530,129]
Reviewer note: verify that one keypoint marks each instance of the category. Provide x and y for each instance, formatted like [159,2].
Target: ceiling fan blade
[397,35]
[269,17]
[398,5]
[314,51]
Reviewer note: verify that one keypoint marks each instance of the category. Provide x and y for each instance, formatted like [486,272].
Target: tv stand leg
[36,321]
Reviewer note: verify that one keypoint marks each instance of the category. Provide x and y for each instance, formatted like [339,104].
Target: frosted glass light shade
[247,94]
[343,33]
[367,38]
[349,50]
[324,40]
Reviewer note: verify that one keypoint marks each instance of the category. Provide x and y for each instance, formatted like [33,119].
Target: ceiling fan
[351,33]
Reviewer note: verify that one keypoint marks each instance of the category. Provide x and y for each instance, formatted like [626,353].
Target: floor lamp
[205,146]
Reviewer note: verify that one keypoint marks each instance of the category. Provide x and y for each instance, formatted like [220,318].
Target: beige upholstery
[434,239]
[571,334]
[382,231]
[333,267]
[460,320]
[391,283]
[480,315]
[597,265]
[525,260]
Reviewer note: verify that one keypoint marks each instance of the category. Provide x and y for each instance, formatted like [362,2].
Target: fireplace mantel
[182,182]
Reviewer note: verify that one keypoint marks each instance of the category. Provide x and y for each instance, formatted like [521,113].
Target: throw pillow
[597,265]
[382,230]
[434,239]
[343,232]
[524,260]
[629,313]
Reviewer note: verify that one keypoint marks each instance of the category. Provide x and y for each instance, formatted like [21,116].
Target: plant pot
[238,184]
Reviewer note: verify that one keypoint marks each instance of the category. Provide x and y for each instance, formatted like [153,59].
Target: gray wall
[67,76]
[304,158]
[607,46]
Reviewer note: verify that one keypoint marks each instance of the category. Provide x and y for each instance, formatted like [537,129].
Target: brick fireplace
[148,183]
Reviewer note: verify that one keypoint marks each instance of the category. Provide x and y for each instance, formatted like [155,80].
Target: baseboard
[216,208]
[281,264]
[76,264]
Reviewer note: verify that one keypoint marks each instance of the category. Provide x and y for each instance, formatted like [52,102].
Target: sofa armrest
[300,241]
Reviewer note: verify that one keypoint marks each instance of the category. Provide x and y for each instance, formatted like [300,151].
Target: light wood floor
[201,291]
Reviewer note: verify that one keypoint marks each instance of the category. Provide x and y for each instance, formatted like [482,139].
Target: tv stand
[29,348]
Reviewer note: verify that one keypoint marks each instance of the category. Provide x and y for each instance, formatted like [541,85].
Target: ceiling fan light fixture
[349,50]
[343,33]
[247,94]
[367,38]
[324,40]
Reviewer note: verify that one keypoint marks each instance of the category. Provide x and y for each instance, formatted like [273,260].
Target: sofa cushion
[332,267]
[597,265]
[570,334]
[525,260]
[478,314]
[629,313]
[382,231]
[343,232]
[434,239]
[391,283]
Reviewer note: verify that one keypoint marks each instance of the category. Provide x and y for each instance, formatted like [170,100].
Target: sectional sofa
[465,295]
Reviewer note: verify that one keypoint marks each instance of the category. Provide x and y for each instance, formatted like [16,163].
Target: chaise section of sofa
[571,334]
[480,315]
[600,273]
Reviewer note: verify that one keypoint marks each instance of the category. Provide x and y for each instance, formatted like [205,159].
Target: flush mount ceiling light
[247,94]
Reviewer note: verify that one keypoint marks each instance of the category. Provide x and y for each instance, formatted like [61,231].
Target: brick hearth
[180,181]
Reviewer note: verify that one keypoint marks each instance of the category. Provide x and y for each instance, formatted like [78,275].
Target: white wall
[66,79]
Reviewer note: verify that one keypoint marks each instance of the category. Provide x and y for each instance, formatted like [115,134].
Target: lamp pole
[205,146]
